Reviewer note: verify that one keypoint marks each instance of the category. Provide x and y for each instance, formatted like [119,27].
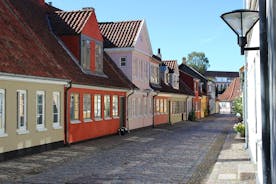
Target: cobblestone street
[180,153]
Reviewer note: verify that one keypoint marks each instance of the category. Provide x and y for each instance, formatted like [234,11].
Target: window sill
[41,129]
[87,120]
[116,117]
[3,135]
[98,119]
[57,127]
[22,132]
[107,118]
[75,122]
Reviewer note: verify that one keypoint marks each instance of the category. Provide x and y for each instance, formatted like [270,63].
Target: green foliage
[192,116]
[240,128]
[198,61]
[238,106]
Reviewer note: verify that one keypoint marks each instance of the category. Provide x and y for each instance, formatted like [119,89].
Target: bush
[238,107]
[240,128]
[192,116]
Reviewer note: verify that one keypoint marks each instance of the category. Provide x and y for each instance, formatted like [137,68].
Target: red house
[95,102]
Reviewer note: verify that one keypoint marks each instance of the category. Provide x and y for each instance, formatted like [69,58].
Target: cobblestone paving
[180,153]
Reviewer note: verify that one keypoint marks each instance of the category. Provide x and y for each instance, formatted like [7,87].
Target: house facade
[96,100]
[31,91]
[222,79]
[128,44]
[198,83]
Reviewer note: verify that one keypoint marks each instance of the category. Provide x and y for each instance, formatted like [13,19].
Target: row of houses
[66,78]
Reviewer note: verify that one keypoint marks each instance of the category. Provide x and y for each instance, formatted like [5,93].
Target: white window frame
[85,110]
[40,127]
[115,106]
[75,120]
[22,129]
[98,107]
[107,107]
[2,130]
[56,124]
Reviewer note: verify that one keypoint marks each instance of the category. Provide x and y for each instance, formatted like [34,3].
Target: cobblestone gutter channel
[205,167]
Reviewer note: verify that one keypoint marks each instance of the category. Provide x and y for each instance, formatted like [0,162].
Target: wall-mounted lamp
[241,22]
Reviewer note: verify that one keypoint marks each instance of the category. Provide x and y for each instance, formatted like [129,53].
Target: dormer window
[99,57]
[85,53]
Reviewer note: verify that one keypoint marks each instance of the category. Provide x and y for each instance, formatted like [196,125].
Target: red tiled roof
[172,64]
[72,22]
[120,34]
[29,48]
[232,91]
[221,74]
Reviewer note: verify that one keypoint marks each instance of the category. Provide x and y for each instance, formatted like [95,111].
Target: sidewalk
[233,165]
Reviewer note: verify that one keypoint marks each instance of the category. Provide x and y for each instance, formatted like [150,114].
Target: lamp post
[241,22]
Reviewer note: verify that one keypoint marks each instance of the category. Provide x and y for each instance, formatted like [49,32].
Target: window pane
[2,111]
[115,105]
[97,106]
[106,106]
[74,106]
[56,107]
[21,97]
[40,108]
[87,106]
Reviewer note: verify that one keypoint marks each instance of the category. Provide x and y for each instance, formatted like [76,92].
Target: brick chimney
[184,61]
[159,53]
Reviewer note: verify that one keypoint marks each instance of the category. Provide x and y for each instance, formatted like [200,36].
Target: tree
[198,61]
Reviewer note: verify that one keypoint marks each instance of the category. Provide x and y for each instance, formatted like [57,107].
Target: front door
[122,111]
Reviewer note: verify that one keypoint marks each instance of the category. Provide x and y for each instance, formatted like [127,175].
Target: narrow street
[182,153]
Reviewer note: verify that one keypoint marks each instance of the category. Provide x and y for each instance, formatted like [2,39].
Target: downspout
[264,94]
[66,127]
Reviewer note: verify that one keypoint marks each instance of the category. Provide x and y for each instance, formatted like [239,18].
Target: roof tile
[232,91]
[119,34]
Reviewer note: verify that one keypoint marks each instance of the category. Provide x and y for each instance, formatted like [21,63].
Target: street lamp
[241,22]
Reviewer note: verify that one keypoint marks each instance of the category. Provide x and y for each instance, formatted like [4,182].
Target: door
[122,114]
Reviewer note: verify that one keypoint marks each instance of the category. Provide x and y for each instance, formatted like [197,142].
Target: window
[157,105]
[2,111]
[21,110]
[74,107]
[106,106]
[97,106]
[161,106]
[99,57]
[165,106]
[56,109]
[40,109]
[85,50]
[123,61]
[115,112]
[86,106]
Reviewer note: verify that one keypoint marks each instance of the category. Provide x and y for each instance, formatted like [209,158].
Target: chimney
[159,53]
[50,3]
[88,9]
[184,61]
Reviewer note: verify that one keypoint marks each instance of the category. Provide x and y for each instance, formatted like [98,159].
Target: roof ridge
[123,21]
[74,11]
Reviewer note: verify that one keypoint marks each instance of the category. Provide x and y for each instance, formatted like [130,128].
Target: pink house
[128,44]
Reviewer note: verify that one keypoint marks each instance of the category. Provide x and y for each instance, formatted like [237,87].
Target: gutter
[66,127]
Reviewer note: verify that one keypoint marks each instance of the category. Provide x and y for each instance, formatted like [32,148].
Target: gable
[91,28]
[142,40]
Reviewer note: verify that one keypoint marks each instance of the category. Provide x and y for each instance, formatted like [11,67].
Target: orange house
[95,101]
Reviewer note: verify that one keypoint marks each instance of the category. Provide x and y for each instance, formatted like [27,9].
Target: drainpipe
[156,94]
[264,94]
[66,127]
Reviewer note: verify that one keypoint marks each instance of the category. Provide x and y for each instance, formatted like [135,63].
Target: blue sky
[178,27]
